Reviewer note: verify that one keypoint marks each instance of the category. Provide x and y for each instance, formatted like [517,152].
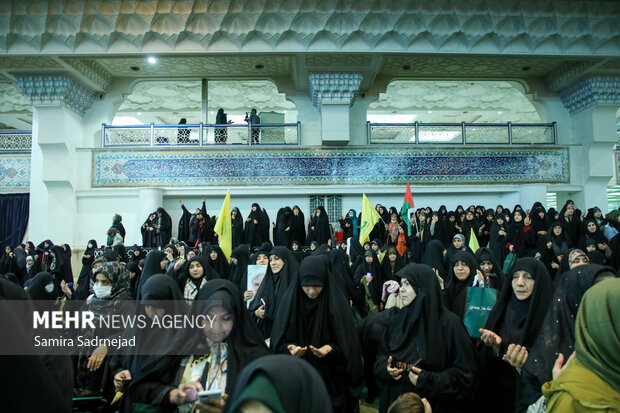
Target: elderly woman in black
[426,348]
[314,322]
[515,321]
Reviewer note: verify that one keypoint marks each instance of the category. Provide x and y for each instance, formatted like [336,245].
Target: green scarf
[597,331]
[259,388]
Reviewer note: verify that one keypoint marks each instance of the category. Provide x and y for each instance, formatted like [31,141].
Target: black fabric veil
[557,334]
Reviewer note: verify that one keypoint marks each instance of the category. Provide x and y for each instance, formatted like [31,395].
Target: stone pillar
[333,93]
[58,104]
[149,199]
[592,103]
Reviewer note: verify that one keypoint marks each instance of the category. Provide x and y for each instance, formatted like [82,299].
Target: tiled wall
[322,166]
[14,171]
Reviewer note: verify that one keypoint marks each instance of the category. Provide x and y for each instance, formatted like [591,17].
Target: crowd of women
[391,315]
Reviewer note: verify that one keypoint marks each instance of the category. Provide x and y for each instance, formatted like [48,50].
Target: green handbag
[480,301]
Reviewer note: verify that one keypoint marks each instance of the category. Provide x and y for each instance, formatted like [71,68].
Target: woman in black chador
[319,227]
[515,320]
[426,348]
[253,223]
[314,322]
[281,273]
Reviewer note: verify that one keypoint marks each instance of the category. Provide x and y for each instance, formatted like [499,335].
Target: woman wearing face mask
[42,287]
[281,273]
[111,296]
[207,358]
[426,348]
[314,323]
[32,269]
[83,288]
[515,321]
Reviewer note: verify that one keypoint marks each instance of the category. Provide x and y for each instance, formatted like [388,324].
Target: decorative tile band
[338,166]
[15,171]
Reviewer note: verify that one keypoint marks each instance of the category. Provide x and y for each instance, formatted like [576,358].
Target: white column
[149,199]
[53,171]
[596,129]
[592,103]
[333,93]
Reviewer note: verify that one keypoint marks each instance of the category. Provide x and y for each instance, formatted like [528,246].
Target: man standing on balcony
[253,119]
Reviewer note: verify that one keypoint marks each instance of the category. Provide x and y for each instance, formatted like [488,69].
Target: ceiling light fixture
[259,66]
[499,113]
[134,68]
[151,60]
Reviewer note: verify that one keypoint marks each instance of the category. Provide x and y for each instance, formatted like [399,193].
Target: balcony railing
[463,133]
[15,141]
[200,135]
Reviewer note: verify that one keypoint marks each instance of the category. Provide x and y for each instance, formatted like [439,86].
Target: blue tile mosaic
[327,166]
[15,171]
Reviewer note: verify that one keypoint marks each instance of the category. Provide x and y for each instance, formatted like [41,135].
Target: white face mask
[49,288]
[90,245]
[102,291]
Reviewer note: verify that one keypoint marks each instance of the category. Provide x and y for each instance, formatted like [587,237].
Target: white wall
[95,208]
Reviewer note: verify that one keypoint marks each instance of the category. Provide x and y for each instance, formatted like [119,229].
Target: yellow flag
[473,241]
[369,218]
[223,227]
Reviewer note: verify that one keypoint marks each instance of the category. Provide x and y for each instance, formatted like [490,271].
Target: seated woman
[314,322]
[591,382]
[281,273]
[209,358]
[426,348]
[514,321]
[280,383]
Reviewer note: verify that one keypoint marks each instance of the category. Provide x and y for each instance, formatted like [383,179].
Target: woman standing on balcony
[221,134]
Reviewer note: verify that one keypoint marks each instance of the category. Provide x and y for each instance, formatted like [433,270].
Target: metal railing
[463,133]
[200,135]
[15,141]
